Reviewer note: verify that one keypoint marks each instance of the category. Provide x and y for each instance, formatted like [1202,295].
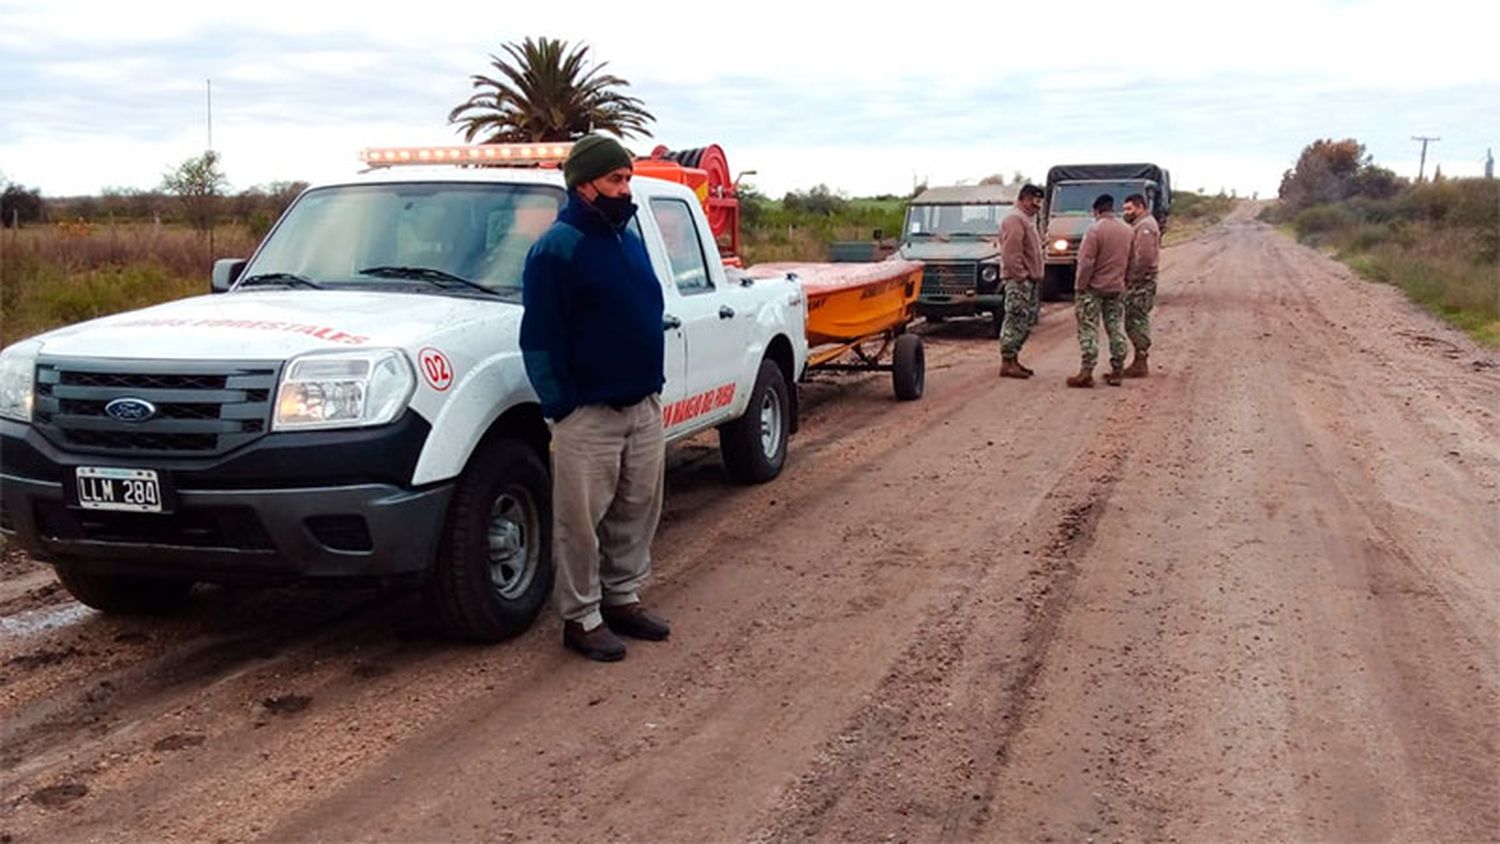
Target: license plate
[108,488]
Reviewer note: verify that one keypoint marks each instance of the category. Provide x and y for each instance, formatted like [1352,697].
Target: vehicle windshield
[410,234]
[1079,198]
[954,220]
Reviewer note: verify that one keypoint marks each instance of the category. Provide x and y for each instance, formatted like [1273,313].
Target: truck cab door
[675,339]
[714,330]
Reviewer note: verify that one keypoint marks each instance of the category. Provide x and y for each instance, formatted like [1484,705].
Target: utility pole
[1489,164]
[1422,168]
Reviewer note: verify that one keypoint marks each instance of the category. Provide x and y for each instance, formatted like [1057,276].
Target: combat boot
[1084,378]
[1137,367]
[1024,368]
[1011,368]
[1115,377]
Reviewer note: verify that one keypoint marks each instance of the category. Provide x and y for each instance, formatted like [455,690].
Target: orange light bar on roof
[543,153]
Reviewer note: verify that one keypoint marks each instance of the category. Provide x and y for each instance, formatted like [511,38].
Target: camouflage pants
[1022,300]
[1090,306]
[1139,300]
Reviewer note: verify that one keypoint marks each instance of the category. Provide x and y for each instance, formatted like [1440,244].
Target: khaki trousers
[607,479]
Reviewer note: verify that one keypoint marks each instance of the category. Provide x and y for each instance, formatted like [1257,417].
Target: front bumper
[944,305]
[224,523]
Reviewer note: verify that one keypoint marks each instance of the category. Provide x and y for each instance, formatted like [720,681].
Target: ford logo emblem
[130,410]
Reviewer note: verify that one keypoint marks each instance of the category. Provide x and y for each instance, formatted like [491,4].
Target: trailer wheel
[494,567]
[754,445]
[909,367]
[123,594]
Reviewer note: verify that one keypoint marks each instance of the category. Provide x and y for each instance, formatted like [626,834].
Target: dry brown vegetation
[61,273]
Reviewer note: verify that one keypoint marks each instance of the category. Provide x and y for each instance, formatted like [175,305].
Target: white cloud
[853,96]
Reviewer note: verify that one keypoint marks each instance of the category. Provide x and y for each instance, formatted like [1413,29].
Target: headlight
[989,272]
[1059,245]
[344,390]
[17,374]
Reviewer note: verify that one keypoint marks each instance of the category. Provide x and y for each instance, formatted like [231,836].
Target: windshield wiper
[440,278]
[287,279]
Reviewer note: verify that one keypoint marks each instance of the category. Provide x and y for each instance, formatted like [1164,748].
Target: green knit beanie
[593,156]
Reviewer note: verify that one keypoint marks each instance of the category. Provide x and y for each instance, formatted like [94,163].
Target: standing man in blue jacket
[594,350]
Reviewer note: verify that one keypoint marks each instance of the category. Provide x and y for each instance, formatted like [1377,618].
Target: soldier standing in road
[1140,281]
[1102,259]
[1021,275]
[591,337]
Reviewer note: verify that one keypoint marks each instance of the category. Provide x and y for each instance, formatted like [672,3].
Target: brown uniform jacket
[1103,256]
[1145,250]
[1020,247]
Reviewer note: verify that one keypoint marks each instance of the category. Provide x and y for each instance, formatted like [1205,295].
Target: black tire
[936,319]
[494,566]
[754,445]
[1057,282]
[909,367]
[124,594]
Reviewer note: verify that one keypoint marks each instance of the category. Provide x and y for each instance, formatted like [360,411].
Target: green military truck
[1068,210]
[954,231]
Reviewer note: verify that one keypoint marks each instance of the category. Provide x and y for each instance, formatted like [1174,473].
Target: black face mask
[616,209]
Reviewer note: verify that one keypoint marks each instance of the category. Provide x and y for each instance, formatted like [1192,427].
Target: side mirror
[226,273]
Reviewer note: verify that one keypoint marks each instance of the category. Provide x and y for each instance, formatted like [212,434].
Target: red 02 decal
[435,368]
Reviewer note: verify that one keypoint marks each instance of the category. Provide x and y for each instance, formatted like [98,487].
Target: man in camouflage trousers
[1140,281]
[1021,275]
[1100,284]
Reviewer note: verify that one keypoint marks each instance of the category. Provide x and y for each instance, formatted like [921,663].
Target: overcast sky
[113,94]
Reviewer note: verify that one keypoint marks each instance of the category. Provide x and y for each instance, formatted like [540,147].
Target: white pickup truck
[351,401]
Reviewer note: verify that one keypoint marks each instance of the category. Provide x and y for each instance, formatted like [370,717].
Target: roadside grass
[1192,213]
[1437,242]
[55,275]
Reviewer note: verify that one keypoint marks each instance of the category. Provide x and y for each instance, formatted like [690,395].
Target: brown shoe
[1012,368]
[1084,378]
[1138,367]
[598,644]
[1115,377]
[632,620]
[1024,368]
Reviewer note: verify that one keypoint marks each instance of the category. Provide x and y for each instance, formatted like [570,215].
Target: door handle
[670,322]
[726,312]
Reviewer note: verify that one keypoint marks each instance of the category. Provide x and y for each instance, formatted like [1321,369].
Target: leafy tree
[546,92]
[819,200]
[19,204]
[1331,171]
[198,183]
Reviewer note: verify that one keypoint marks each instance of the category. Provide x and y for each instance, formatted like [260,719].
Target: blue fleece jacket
[592,330]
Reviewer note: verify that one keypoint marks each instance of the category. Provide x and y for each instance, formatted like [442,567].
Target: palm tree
[547,94]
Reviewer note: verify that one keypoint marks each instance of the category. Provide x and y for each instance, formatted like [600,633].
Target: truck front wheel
[754,445]
[123,594]
[494,568]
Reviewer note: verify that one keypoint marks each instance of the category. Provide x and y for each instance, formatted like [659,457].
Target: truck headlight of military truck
[1060,245]
[17,372]
[343,390]
[989,273]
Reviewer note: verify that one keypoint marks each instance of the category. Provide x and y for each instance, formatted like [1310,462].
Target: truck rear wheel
[123,594]
[494,567]
[754,445]
[909,367]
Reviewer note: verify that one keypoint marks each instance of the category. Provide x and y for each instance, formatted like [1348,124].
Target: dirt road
[1254,597]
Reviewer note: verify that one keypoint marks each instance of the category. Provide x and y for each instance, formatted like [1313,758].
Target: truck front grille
[949,277]
[201,408]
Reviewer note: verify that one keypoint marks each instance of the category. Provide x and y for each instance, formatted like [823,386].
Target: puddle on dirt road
[32,622]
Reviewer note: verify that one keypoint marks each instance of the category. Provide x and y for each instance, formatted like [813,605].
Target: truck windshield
[477,233]
[1078,197]
[954,220]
